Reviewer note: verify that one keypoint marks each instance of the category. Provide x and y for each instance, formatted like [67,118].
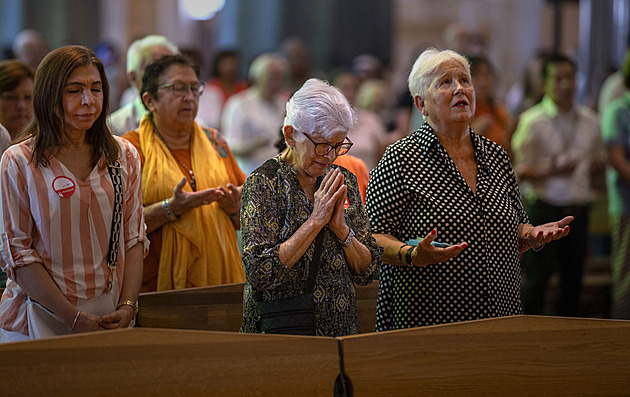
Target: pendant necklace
[193,181]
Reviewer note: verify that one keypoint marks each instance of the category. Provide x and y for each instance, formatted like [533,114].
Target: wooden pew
[511,356]
[164,362]
[220,308]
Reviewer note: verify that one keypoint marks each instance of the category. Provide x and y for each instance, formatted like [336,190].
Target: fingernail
[433,231]
[464,245]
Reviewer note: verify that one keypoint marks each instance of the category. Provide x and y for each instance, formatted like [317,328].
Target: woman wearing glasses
[284,210]
[190,184]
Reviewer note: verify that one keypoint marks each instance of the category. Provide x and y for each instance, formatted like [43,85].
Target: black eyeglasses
[180,89]
[322,149]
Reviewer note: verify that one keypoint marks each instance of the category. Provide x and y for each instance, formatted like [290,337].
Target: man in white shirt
[556,145]
[140,53]
[252,119]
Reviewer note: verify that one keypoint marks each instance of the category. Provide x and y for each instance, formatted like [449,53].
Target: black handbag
[296,315]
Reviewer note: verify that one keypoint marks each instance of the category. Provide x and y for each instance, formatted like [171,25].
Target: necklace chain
[193,180]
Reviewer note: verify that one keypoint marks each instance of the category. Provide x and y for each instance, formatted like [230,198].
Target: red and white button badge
[64,186]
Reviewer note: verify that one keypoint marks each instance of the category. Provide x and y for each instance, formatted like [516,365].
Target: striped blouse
[51,217]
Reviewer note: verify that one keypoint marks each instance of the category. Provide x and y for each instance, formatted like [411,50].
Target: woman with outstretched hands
[445,206]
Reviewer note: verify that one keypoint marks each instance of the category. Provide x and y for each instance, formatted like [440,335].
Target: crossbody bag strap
[312,270]
[317,256]
[112,253]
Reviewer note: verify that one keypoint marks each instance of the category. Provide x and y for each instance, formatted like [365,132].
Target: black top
[416,187]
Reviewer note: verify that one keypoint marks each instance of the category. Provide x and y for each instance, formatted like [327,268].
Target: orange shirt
[498,127]
[358,168]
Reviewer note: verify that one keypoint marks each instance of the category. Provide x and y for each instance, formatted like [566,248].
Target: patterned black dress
[416,187]
[274,206]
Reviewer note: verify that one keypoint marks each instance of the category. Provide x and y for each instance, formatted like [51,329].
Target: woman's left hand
[230,203]
[538,236]
[120,318]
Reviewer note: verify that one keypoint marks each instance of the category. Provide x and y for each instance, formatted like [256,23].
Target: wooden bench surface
[220,308]
[511,356]
[165,362]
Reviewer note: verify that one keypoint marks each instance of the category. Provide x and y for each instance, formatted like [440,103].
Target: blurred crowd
[244,102]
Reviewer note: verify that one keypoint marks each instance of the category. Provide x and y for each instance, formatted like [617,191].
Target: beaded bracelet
[168,211]
[400,258]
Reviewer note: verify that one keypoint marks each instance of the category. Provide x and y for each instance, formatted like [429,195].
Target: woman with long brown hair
[72,230]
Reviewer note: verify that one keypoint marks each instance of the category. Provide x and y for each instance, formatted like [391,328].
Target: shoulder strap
[317,256]
[112,253]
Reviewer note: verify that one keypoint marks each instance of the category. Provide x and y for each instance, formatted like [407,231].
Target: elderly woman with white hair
[298,209]
[446,183]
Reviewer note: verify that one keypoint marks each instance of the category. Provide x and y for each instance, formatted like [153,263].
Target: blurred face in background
[228,68]
[560,84]
[271,81]
[16,107]
[484,81]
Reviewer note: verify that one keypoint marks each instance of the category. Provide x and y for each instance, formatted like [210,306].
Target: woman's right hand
[326,196]
[183,201]
[426,254]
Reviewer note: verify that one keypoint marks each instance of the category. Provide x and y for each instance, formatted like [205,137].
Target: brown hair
[12,72]
[47,128]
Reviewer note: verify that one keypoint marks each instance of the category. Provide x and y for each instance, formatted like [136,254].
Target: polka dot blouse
[416,187]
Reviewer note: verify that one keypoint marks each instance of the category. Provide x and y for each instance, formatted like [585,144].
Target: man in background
[140,53]
[556,146]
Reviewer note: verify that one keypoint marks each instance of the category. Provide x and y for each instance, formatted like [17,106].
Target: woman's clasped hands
[329,203]
[88,322]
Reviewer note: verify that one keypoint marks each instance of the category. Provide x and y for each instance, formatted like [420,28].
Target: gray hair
[426,68]
[318,106]
[140,51]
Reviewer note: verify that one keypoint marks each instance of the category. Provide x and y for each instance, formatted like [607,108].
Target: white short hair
[425,69]
[319,107]
[140,51]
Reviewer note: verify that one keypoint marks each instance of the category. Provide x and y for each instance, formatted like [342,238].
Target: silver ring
[329,192]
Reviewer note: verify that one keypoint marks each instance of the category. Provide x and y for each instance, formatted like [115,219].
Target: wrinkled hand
[120,318]
[183,201]
[426,254]
[230,203]
[326,197]
[540,235]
